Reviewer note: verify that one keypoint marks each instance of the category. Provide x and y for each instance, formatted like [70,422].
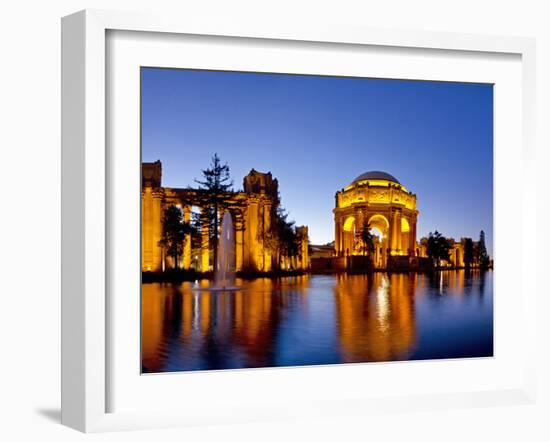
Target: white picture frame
[85,261]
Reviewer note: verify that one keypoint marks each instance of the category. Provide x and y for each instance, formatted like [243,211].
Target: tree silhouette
[367,239]
[285,231]
[217,183]
[468,252]
[482,255]
[174,229]
[438,248]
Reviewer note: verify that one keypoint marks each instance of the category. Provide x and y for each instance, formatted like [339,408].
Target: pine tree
[174,229]
[482,255]
[285,231]
[468,252]
[217,183]
[438,248]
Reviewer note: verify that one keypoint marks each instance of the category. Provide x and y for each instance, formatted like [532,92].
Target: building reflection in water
[198,328]
[311,320]
[375,315]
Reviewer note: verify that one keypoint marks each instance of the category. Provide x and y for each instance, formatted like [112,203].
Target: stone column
[412,236]
[384,253]
[239,243]
[265,235]
[342,237]
[337,239]
[151,230]
[398,233]
[252,247]
[186,260]
[246,241]
[305,249]
[391,235]
[205,245]
[360,217]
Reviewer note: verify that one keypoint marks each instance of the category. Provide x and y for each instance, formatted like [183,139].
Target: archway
[379,226]
[379,222]
[348,235]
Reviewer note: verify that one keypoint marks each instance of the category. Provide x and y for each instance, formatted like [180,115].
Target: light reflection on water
[319,319]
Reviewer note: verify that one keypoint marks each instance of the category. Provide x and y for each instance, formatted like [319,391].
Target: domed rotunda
[378,200]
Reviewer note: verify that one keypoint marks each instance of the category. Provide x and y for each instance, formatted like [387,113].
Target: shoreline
[190,276]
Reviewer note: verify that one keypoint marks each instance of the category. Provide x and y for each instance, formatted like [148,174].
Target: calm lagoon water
[317,319]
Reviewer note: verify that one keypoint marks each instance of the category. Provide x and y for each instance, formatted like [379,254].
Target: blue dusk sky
[316,134]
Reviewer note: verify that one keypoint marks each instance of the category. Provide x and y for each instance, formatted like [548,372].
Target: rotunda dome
[375,175]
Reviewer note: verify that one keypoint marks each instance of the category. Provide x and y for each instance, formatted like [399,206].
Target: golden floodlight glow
[378,200]
[375,183]
[349,224]
[405,227]
[252,210]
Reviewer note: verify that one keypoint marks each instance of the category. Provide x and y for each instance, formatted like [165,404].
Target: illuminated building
[253,211]
[456,252]
[380,201]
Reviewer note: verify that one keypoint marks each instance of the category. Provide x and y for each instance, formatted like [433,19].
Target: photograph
[293,220]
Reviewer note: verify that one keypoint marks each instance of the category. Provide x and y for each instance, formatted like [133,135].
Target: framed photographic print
[291,222]
[230,281]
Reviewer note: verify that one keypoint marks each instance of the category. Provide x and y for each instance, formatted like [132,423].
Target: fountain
[224,271]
